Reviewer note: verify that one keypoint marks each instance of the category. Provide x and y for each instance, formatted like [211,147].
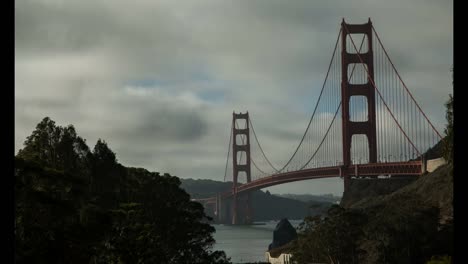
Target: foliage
[331,239]
[49,209]
[448,147]
[77,206]
[440,260]
[404,233]
[394,233]
[57,147]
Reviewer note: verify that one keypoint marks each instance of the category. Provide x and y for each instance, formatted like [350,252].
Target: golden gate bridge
[365,123]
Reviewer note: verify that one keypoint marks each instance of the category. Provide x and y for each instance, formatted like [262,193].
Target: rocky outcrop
[283,234]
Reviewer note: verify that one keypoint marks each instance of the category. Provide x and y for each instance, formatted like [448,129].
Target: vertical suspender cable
[406,88]
[229,150]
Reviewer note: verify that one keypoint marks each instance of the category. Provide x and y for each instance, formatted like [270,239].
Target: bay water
[246,243]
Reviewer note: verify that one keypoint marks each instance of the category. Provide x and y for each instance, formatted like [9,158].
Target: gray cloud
[81,62]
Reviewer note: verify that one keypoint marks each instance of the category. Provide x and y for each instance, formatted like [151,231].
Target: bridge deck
[358,170]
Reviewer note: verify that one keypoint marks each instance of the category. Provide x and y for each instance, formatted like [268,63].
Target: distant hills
[266,206]
[329,198]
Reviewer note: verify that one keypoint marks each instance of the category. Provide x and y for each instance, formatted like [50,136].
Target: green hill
[266,206]
[408,225]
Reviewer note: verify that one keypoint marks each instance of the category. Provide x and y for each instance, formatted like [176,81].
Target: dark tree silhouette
[77,206]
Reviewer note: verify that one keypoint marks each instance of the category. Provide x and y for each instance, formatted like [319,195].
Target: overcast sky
[159,80]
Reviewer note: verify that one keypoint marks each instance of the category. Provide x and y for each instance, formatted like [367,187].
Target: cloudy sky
[159,80]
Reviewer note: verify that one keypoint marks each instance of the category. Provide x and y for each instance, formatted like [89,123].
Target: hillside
[413,203]
[367,189]
[363,190]
[271,207]
[433,189]
[265,205]
[407,225]
[329,198]
[201,188]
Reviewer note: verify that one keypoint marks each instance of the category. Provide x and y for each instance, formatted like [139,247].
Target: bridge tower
[242,147]
[350,128]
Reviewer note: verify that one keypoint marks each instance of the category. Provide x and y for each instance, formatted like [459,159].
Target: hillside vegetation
[76,205]
[330,198]
[410,225]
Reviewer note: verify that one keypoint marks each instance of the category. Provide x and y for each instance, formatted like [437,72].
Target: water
[246,243]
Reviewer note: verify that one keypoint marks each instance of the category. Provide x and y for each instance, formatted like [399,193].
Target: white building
[284,258]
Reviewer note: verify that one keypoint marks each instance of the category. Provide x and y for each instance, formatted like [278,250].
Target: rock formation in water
[284,233]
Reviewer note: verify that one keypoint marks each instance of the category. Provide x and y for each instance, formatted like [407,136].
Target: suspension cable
[260,146]
[323,139]
[404,85]
[229,150]
[253,162]
[316,106]
[334,117]
[375,87]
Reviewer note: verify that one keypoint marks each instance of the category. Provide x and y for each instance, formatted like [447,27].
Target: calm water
[246,243]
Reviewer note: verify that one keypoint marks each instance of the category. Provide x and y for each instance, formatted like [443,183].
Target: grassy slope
[432,189]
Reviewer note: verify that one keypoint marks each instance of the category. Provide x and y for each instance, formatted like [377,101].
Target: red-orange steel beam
[410,168]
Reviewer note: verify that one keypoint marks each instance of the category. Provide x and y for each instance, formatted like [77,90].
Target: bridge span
[365,123]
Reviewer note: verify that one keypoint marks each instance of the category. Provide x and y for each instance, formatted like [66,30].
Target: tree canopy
[448,149]
[73,205]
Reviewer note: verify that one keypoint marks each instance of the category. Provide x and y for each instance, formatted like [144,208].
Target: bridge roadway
[414,168]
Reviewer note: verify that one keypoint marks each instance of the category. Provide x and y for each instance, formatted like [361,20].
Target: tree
[405,232]
[105,177]
[332,239]
[103,154]
[160,224]
[448,146]
[48,205]
[77,206]
[40,145]
[57,147]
